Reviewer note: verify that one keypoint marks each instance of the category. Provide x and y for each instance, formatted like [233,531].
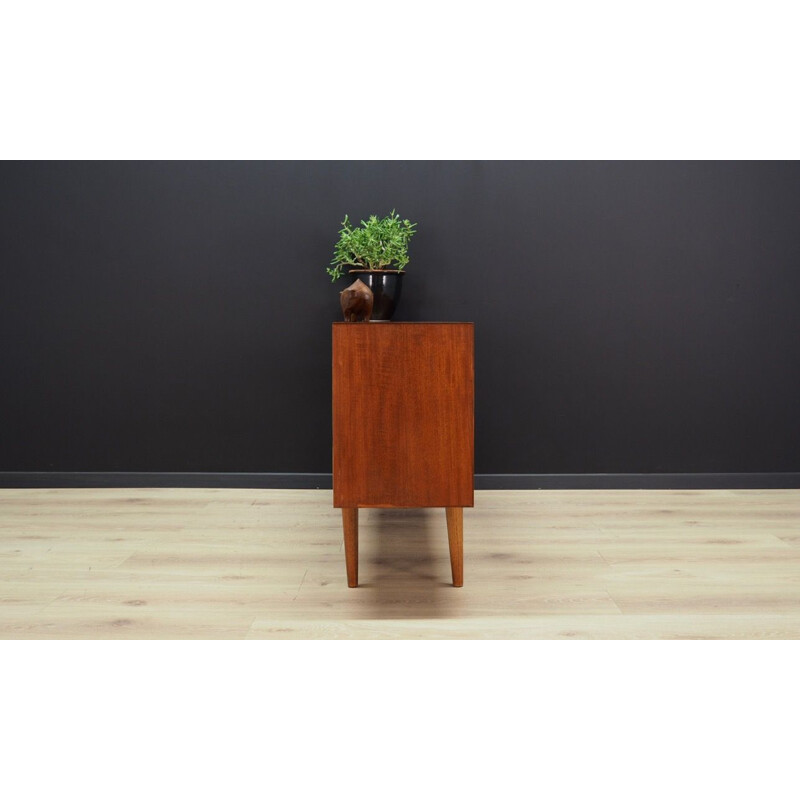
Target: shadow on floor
[405,565]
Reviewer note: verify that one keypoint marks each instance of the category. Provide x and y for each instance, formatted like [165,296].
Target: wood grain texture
[403,414]
[455,537]
[237,563]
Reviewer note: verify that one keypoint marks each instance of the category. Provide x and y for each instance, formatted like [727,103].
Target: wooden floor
[240,563]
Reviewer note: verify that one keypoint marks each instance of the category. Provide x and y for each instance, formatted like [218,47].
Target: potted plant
[377,252]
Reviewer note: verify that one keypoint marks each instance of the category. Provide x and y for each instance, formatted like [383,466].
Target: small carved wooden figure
[356,302]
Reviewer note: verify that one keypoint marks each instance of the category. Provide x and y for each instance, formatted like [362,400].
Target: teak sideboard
[403,422]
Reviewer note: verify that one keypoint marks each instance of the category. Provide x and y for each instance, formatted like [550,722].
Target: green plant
[377,244]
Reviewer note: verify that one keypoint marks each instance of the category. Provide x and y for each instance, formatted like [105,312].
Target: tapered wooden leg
[350,523]
[455,535]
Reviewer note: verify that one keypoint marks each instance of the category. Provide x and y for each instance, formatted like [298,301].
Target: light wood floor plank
[562,626]
[246,563]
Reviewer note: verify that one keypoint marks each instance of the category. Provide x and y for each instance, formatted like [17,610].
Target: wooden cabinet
[403,424]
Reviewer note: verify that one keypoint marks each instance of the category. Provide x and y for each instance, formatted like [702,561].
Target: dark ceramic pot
[385,285]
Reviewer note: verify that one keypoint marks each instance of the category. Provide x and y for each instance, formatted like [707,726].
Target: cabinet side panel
[403,415]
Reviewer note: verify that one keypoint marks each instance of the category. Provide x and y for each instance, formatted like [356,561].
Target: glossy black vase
[385,285]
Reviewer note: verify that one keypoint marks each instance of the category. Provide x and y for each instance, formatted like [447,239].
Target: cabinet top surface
[389,322]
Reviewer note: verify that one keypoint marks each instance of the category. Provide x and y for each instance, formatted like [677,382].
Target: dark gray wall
[630,317]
